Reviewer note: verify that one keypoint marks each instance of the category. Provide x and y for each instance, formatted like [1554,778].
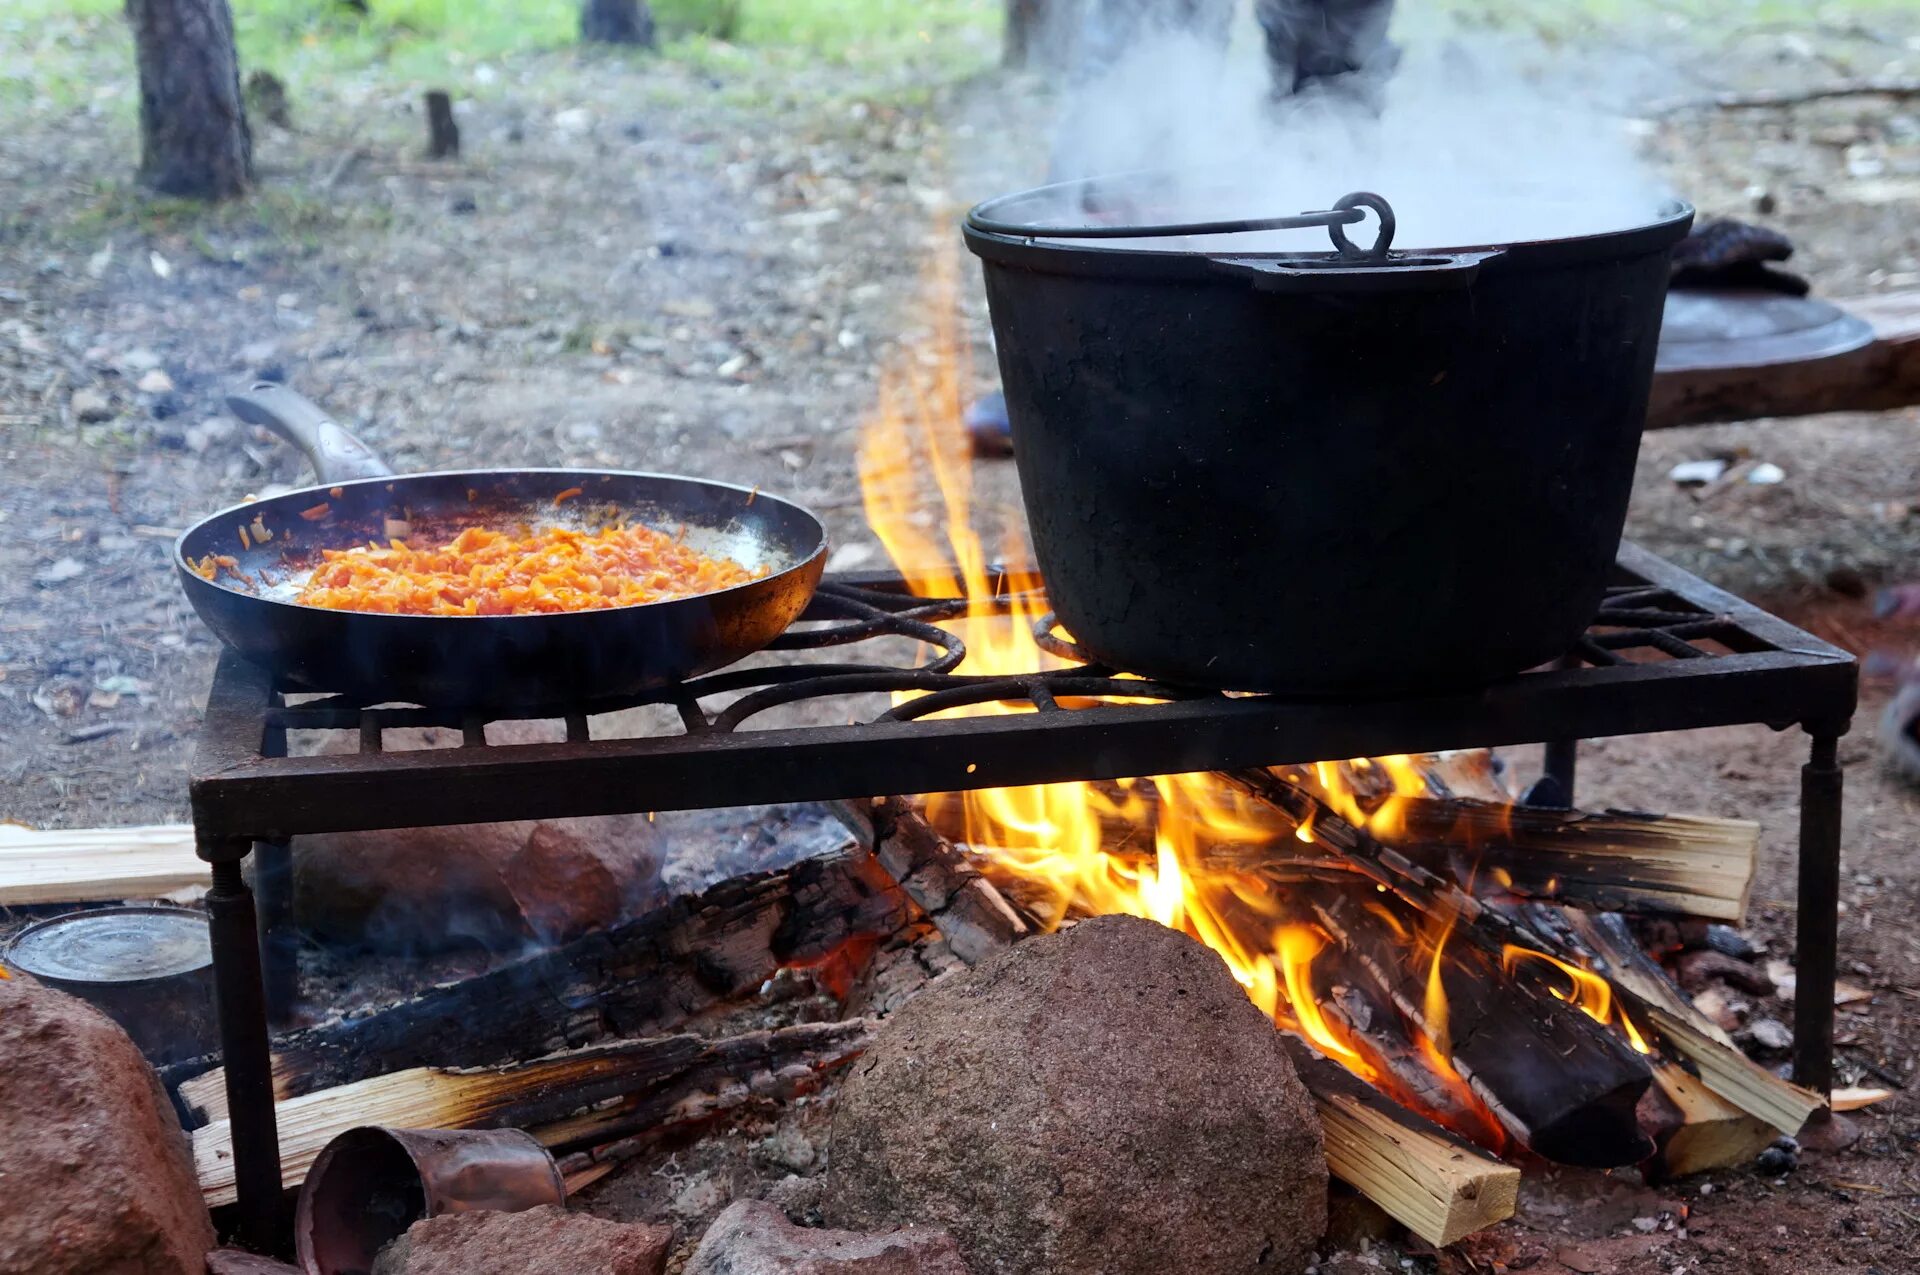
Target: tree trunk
[617,22]
[193,129]
[1040,33]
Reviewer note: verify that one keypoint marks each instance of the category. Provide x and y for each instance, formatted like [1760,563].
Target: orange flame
[1592,994]
[1049,844]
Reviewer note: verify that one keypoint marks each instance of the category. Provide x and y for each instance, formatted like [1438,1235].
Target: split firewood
[96,865]
[1440,1187]
[570,1101]
[650,974]
[1437,1186]
[1694,1128]
[1723,1067]
[1613,860]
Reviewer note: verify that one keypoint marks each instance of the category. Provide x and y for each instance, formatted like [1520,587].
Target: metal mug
[370,1184]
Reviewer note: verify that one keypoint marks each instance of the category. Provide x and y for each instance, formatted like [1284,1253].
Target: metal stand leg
[244,1047]
[1818,928]
[279,940]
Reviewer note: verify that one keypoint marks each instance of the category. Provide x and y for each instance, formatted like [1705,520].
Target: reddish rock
[1104,1101]
[498,885]
[235,1261]
[95,1176]
[755,1238]
[543,1241]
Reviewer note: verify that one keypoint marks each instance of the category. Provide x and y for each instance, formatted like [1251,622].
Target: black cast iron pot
[1347,472]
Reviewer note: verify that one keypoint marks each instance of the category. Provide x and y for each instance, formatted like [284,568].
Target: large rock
[95,1175]
[755,1238]
[543,1241]
[499,885]
[1104,1101]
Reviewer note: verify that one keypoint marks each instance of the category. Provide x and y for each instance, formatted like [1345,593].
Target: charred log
[964,906]
[1558,1081]
[650,974]
[572,1101]
[193,126]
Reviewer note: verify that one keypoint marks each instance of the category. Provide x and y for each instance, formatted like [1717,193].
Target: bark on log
[194,140]
[570,1101]
[617,22]
[1880,377]
[649,974]
[1723,1068]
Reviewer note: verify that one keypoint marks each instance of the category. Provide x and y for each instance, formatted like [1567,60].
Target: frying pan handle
[337,456]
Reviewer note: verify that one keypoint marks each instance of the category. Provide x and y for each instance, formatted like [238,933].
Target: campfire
[1468,985]
[1402,916]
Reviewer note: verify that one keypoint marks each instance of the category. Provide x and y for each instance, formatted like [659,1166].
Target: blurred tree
[1039,33]
[617,22]
[193,128]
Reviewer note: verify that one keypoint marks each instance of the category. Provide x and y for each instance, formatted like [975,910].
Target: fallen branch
[570,1101]
[1759,99]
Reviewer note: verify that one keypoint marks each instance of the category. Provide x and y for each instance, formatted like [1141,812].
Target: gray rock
[755,1238]
[1104,1101]
[91,406]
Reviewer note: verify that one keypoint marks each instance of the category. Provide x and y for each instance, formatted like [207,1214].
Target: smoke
[1472,138]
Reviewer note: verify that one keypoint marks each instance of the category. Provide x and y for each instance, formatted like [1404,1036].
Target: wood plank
[1438,1186]
[96,865]
[628,1085]
[1882,376]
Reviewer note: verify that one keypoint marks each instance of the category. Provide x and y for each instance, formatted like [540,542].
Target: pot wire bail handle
[1382,239]
[1347,211]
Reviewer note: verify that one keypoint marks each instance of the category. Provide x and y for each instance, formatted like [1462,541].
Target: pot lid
[1730,328]
[114,945]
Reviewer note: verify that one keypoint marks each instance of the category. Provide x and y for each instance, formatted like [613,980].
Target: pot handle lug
[1437,272]
[337,455]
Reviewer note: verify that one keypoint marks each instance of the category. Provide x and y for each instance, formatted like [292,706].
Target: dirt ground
[639,266]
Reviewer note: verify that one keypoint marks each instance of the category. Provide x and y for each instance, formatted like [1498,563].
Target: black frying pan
[503,661]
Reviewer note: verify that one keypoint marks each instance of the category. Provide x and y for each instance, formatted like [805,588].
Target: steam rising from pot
[1472,141]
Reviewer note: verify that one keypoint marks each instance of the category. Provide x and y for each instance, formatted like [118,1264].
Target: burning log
[570,1101]
[1435,1184]
[1556,1080]
[1723,1068]
[1610,861]
[1613,861]
[964,906]
[652,973]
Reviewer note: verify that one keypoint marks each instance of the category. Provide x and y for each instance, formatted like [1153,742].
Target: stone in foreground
[97,1176]
[1103,1101]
